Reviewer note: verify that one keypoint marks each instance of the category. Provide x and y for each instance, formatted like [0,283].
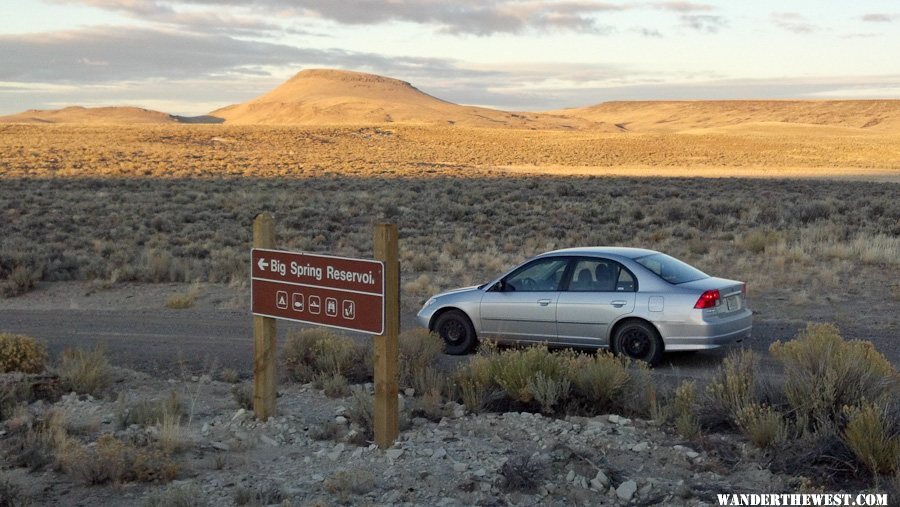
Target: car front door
[598,292]
[522,306]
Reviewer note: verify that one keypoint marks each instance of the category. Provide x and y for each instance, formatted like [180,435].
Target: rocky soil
[306,455]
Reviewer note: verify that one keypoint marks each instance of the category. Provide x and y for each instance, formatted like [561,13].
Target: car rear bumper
[707,334]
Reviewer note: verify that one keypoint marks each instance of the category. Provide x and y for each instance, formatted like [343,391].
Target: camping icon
[281,300]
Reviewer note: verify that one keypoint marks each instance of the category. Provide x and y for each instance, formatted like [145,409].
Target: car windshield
[670,269]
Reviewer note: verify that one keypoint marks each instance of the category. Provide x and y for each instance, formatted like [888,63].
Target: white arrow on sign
[262,264]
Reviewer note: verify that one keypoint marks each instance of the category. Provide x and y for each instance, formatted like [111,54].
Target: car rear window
[670,269]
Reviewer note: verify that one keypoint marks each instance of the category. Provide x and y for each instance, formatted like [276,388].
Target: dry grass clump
[183,300]
[86,372]
[242,394]
[419,350]
[182,495]
[684,405]
[733,389]
[261,495]
[319,354]
[21,353]
[147,412]
[345,483]
[361,412]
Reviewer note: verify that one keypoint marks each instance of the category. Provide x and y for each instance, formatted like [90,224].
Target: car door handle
[543,302]
[618,304]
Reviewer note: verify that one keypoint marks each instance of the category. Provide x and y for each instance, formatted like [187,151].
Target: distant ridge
[102,116]
[669,116]
[322,97]
[339,97]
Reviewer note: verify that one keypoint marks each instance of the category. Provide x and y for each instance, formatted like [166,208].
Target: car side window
[540,275]
[600,275]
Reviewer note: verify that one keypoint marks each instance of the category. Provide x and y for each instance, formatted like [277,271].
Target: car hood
[457,291]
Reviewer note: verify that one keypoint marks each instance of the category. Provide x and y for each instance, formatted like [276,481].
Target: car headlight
[428,303]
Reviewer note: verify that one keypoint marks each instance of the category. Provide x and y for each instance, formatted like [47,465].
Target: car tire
[457,331]
[639,341]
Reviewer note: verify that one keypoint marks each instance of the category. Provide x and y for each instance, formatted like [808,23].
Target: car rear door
[599,292]
[522,305]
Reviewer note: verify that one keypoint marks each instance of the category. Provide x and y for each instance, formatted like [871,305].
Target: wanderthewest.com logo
[804,499]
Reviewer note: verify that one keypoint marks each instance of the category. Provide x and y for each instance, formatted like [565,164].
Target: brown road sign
[318,289]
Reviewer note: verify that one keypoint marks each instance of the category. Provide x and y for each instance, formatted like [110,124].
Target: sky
[192,56]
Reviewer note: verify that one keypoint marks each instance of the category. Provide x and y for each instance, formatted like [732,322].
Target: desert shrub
[86,372]
[243,395]
[757,240]
[523,472]
[419,349]
[147,412]
[873,435]
[350,482]
[182,495]
[684,404]
[20,281]
[548,392]
[824,373]
[21,353]
[112,460]
[600,378]
[764,426]
[513,369]
[732,389]
[317,351]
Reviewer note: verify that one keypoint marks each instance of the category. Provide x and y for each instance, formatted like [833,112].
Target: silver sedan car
[636,302]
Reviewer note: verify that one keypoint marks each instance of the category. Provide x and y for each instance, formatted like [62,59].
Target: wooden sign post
[359,295]
[387,347]
[265,352]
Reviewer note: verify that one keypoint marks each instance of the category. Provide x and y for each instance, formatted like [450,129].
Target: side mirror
[499,286]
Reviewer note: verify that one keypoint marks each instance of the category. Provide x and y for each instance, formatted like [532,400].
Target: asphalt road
[160,341]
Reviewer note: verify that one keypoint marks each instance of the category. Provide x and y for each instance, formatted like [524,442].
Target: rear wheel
[639,341]
[457,331]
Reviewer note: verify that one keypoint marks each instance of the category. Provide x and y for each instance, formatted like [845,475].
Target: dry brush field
[175,203]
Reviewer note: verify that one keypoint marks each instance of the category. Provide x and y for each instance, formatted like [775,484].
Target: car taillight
[708,299]
[744,290]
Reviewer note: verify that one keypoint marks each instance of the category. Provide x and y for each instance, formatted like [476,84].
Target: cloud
[793,22]
[460,17]
[684,7]
[110,54]
[879,18]
[703,22]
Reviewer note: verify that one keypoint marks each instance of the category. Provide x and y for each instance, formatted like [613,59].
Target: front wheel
[455,328]
[639,341]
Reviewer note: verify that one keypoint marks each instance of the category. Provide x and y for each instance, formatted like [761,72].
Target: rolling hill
[118,115]
[336,97]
